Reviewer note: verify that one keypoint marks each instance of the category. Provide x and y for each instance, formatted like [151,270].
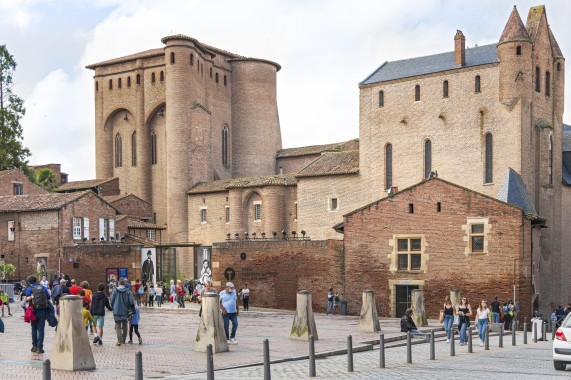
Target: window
[11,230]
[381,98]
[550,160]
[118,151]
[211,72]
[489,177]
[295,210]
[558,66]
[477,84]
[225,146]
[102,229]
[411,208]
[119,83]
[138,79]
[192,60]
[409,256]
[257,212]
[134,149]
[111,84]
[96,86]
[417,93]
[388,166]
[518,50]
[438,207]
[111,229]
[281,170]
[537,80]
[333,204]
[225,82]
[18,188]
[153,78]
[547,83]
[172,63]
[227,214]
[76,228]
[153,148]
[202,70]
[203,215]
[216,76]
[445,89]
[477,237]
[162,76]
[86,228]
[427,158]
[128,81]
[152,234]
[197,65]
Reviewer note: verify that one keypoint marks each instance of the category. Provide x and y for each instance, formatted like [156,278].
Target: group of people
[228,306]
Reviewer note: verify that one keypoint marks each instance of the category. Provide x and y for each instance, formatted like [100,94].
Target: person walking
[87,317]
[246,297]
[121,301]
[509,310]
[151,295]
[173,295]
[88,293]
[464,311]
[5,302]
[138,291]
[45,283]
[134,325]
[448,317]
[159,295]
[407,324]
[38,298]
[180,293]
[74,289]
[230,311]
[336,303]
[99,302]
[191,290]
[496,311]
[330,296]
[58,291]
[208,289]
[482,319]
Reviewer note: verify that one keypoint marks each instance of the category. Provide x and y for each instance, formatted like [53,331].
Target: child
[151,295]
[83,296]
[87,317]
[5,301]
[134,323]
[159,294]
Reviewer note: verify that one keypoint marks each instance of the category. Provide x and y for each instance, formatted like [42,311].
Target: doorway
[403,298]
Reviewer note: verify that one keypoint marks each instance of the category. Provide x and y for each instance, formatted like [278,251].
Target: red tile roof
[225,184]
[317,149]
[39,202]
[515,29]
[136,223]
[83,185]
[337,163]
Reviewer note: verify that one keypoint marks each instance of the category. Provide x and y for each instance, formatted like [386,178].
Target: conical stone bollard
[455,297]
[211,326]
[71,351]
[369,319]
[418,313]
[303,322]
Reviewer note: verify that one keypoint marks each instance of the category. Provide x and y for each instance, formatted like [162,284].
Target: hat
[229,284]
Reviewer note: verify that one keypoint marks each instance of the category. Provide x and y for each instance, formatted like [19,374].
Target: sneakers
[233,340]
[40,350]
[35,349]
[448,341]
[228,341]
[140,340]
[130,342]
[95,340]
[100,342]
[481,344]
[118,343]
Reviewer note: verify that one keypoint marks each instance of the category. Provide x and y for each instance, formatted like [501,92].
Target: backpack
[336,298]
[39,297]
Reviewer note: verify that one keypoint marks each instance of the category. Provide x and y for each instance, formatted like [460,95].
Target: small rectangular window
[445,89]
[203,215]
[11,230]
[547,84]
[403,262]
[477,84]
[381,99]
[333,204]
[477,237]
[18,189]
[403,244]
[102,229]
[438,207]
[86,228]
[227,214]
[518,50]
[477,228]
[415,261]
[477,243]
[76,228]
[417,93]
[151,235]
[415,245]
[411,208]
[111,228]
[257,212]
[119,83]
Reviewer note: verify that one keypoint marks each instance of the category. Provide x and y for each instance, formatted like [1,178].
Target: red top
[137,287]
[74,290]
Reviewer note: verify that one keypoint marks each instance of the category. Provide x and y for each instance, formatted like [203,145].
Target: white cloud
[17,12]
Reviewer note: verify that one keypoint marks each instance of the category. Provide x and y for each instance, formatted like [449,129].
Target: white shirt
[484,314]
[246,293]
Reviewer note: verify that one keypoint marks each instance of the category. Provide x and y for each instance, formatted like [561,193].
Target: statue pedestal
[369,319]
[211,326]
[303,322]
[418,313]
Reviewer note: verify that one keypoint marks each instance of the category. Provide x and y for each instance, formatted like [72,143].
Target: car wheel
[559,366]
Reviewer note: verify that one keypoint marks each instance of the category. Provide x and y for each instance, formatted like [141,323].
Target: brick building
[14,182]
[61,177]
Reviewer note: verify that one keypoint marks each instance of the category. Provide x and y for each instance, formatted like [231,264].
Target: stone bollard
[369,319]
[418,313]
[455,297]
[303,322]
[71,351]
[211,326]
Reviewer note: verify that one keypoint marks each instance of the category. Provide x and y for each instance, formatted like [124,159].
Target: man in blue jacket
[38,297]
[121,301]
[230,311]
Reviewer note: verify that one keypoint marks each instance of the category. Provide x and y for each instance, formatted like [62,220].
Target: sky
[325,49]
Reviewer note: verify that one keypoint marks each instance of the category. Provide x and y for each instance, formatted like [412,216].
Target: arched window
[172,58]
[153,148]
[489,156]
[96,86]
[417,93]
[388,166]
[381,98]
[537,80]
[225,83]
[192,60]
[162,76]
[128,81]
[551,159]
[445,89]
[118,151]
[134,149]
[138,79]
[427,158]
[547,83]
[518,50]
[216,76]
[225,146]
[477,84]
[153,78]
[111,84]
[119,83]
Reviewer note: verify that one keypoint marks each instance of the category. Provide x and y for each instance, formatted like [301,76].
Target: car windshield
[567,322]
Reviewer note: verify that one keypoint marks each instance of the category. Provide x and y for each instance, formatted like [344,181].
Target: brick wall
[135,206]
[8,179]
[276,270]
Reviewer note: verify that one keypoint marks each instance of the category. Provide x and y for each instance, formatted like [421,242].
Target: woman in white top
[246,296]
[159,295]
[482,319]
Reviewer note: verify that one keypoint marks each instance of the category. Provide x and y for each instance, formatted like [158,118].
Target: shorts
[99,320]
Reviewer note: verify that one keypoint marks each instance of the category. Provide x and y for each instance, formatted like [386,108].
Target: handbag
[441,316]
[29,316]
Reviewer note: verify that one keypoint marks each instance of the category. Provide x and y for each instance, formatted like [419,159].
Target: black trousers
[246,300]
[136,327]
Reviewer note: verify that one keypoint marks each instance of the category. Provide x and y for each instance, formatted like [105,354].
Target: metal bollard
[138,365]
[209,363]
[350,353]
[525,332]
[513,334]
[267,373]
[469,340]
[311,357]
[47,371]
[486,338]
[408,348]
[544,332]
[501,339]
[452,348]
[534,328]
[553,328]
[431,344]
[382,351]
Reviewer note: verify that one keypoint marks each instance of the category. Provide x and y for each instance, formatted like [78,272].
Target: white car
[562,345]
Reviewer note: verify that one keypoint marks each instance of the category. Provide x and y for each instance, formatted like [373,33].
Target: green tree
[7,270]
[13,154]
[47,179]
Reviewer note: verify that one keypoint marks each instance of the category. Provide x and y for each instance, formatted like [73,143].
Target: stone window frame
[393,256]
[330,204]
[257,211]
[477,84]
[468,235]
[392,295]
[203,215]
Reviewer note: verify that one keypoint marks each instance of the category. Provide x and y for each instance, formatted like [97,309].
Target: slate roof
[38,202]
[513,191]
[226,184]
[429,64]
[318,149]
[136,223]
[330,163]
[566,127]
[566,169]
[80,185]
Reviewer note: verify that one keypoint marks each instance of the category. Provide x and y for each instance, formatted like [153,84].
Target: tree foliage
[47,179]
[13,154]
[7,270]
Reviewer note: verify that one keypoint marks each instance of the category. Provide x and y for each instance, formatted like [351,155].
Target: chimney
[459,49]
